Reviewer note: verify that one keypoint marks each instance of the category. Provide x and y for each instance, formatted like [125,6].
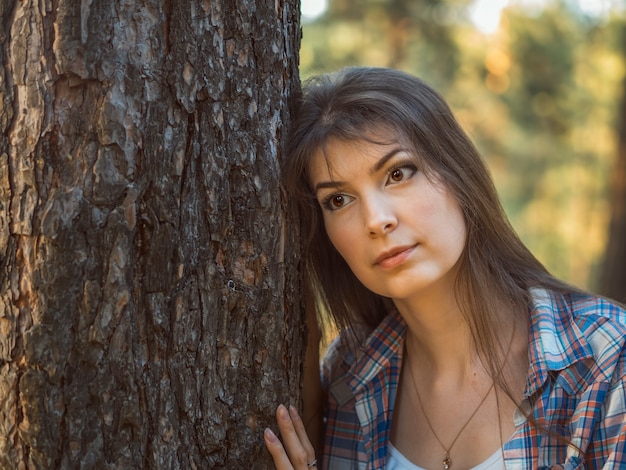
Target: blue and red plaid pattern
[575,389]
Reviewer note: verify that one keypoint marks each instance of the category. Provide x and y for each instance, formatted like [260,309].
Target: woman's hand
[295,452]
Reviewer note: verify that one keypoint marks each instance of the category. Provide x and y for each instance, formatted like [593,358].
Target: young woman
[457,348]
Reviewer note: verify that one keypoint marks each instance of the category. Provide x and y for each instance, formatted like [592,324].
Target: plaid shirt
[576,388]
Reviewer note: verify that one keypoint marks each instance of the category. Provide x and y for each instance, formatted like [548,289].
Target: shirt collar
[556,343]
[384,344]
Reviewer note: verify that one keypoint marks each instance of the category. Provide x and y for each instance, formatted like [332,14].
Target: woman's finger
[300,453]
[277,451]
[298,425]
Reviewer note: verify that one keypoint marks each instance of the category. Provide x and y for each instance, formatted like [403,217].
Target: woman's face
[401,234]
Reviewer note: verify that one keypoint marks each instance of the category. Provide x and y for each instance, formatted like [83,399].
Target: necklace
[447,461]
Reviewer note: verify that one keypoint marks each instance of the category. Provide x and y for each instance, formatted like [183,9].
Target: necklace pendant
[446,462]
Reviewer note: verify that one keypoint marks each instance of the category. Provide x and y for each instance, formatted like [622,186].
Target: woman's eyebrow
[385,158]
[376,167]
[327,185]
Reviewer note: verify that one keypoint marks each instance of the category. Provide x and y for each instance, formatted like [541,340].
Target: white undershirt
[397,461]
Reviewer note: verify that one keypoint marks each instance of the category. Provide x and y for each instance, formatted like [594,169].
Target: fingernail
[269,435]
[282,412]
[293,411]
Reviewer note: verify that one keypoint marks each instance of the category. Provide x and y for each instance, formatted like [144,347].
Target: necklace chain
[447,461]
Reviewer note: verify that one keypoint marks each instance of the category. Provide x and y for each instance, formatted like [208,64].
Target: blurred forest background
[538,85]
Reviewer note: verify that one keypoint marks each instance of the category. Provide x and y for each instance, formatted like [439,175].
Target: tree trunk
[149,293]
[613,273]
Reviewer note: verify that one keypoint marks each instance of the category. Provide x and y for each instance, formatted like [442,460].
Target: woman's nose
[379,217]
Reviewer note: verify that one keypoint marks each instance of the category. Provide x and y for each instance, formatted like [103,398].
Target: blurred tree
[149,300]
[555,76]
[404,34]
[544,106]
[612,279]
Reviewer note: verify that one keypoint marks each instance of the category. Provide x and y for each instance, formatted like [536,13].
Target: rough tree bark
[149,305]
[613,271]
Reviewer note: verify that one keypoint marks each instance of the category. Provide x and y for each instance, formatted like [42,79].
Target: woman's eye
[396,175]
[336,201]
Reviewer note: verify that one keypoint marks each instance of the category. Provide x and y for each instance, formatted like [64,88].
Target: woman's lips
[394,257]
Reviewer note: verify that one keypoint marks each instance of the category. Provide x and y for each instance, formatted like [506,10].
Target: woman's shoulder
[356,344]
[593,314]
[575,325]
[341,354]
[589,311]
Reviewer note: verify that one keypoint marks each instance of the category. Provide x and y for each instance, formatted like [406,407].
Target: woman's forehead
[339,154]
[373,135]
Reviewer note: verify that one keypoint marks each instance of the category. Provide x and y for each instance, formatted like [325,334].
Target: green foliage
[402,34]
[539,97]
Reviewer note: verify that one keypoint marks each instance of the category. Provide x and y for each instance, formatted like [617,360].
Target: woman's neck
[439,335]
[441,349]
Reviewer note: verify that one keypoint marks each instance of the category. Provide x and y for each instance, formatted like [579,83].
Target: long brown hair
[496,268]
